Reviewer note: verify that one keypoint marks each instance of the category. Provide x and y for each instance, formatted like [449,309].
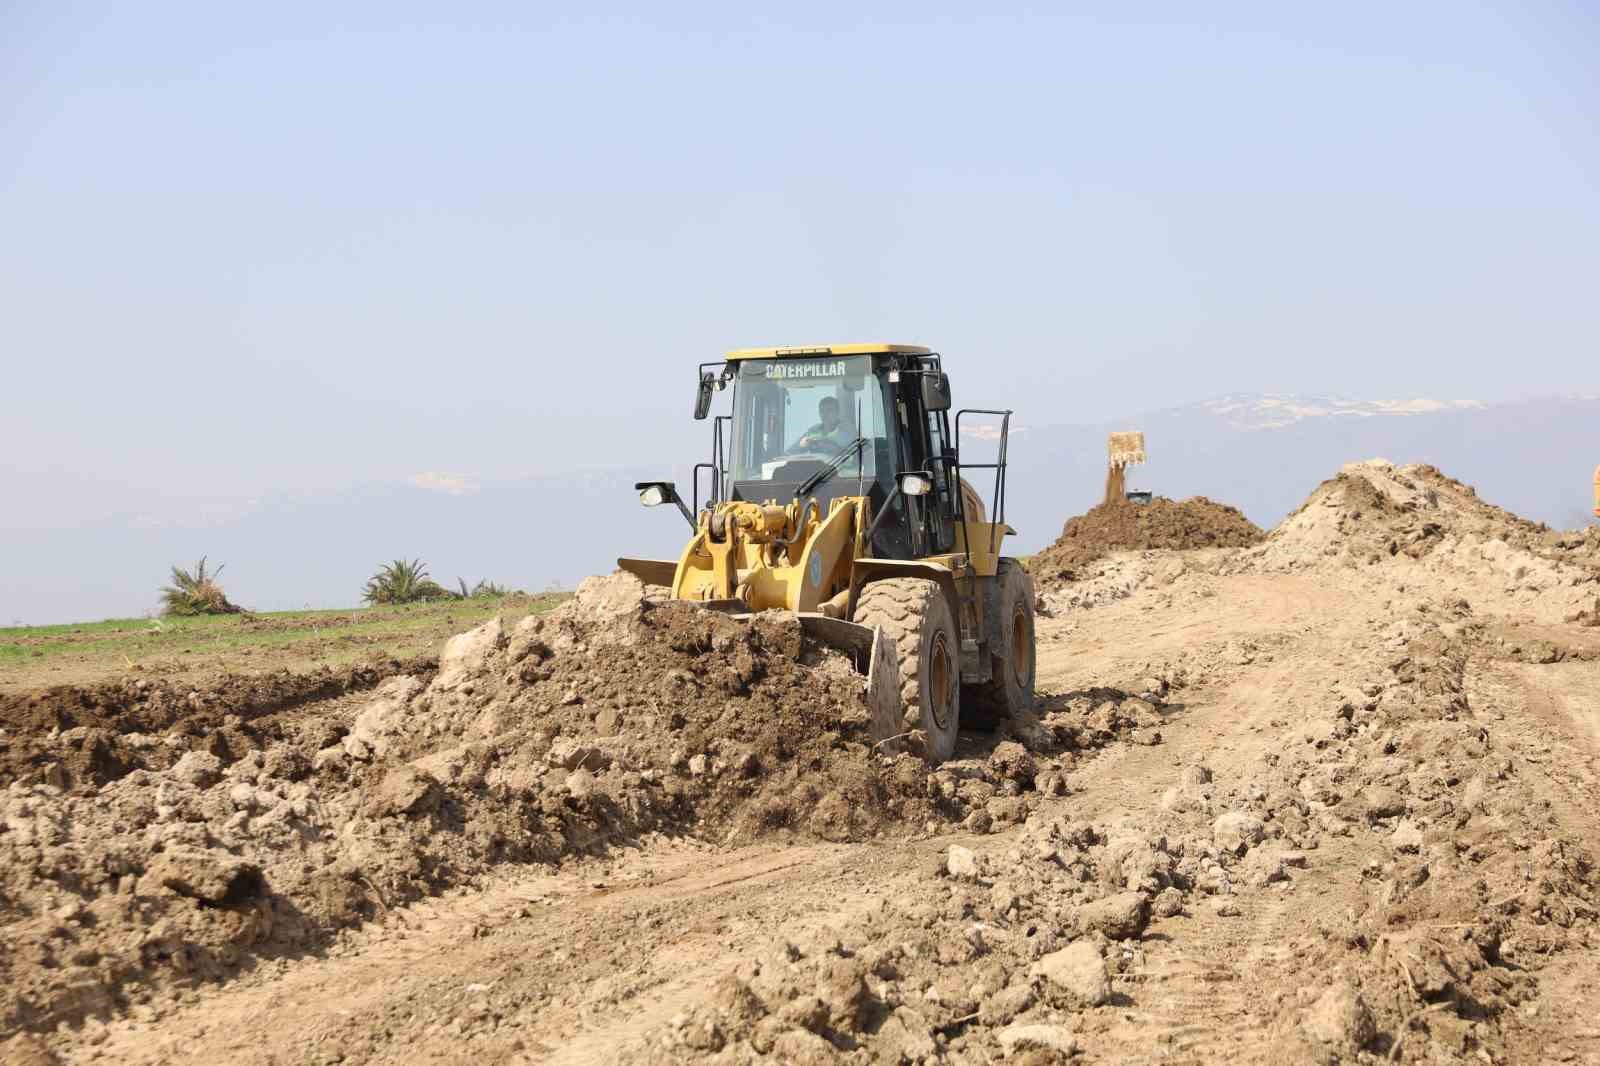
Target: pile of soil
[1377,514]
[1121,526]
[149,837]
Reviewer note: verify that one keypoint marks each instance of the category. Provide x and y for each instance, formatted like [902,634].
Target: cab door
[925,446]
[946,492]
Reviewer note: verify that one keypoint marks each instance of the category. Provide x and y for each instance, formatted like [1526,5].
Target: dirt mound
[213,841]
[1161,523]
[1374,514]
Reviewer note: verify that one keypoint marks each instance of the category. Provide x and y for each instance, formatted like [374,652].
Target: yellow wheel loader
[835,491]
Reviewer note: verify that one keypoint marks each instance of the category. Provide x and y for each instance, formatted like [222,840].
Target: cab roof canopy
[808,351]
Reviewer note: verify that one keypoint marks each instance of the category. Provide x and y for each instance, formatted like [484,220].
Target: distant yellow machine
[836,493]
[1597,492]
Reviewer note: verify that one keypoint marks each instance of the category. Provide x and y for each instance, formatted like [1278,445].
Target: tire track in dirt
[1550,717]
[551,934]
[1199,965]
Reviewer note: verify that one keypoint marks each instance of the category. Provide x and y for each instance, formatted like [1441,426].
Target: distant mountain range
[1262,453]
[1267,411]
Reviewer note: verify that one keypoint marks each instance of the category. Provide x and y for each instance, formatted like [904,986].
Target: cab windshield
[791,416]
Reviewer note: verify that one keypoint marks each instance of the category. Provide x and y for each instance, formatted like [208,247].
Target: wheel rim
[940,687]
[1020,645]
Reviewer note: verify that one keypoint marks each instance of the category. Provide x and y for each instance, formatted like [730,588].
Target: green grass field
[91,651]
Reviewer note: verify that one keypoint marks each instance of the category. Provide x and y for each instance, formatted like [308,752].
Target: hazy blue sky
[249,251]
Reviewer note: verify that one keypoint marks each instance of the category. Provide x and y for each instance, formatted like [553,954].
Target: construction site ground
[1322,799]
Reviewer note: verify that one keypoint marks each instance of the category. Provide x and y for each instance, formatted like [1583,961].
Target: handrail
[999,467]
[719,458]
[697,468]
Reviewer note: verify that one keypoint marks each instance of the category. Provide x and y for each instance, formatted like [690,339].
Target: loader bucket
[650,571]
[874,656]
[870,650]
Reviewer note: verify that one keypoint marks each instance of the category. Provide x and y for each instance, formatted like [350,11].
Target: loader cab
[872,412]
[796,416]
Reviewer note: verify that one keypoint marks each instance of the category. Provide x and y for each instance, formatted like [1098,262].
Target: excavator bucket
[1124,449]
[874,655]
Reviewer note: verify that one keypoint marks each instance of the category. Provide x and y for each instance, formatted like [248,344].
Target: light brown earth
[1315,800]
[1119,525]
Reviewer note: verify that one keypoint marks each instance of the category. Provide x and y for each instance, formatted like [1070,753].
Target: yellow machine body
[813,553]
[793,557]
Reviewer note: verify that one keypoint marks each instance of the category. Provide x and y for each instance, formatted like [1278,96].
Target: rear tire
[916,617]
[1012,657]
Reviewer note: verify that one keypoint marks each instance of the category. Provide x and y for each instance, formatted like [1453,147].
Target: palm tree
[195,592]
[403,582]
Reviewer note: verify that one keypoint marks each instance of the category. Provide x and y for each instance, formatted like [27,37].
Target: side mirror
[702,396]
[936,391]
[656,493]
[915,484]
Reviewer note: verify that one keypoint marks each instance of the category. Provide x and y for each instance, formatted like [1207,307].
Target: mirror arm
[684,508]
[672,493]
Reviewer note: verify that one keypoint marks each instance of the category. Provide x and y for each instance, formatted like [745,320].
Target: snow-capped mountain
[1275,411]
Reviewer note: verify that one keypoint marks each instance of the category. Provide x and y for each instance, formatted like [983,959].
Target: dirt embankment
[1159,524]
[1390,521]
[79,738]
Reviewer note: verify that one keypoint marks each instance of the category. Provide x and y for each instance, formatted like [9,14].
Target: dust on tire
[915,615]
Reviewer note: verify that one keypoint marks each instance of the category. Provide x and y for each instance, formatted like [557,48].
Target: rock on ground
[1076,975]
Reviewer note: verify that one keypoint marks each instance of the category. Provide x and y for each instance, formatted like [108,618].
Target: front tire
[915,615]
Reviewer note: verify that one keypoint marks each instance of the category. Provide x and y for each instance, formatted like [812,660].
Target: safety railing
[998,510]
[717,466]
